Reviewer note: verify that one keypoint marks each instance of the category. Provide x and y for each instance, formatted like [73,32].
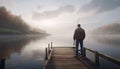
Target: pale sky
[62,16]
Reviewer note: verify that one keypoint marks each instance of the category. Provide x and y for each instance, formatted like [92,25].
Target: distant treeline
[113,28]
[12,24]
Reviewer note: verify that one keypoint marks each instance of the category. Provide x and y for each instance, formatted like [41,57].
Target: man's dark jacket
[79,34]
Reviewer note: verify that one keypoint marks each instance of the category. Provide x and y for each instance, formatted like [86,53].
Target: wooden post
[84,51]
[2,63]
[96,58]
[51,45]
[49,48]
[46,54]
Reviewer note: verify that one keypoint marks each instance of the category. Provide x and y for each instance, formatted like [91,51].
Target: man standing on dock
[79,36]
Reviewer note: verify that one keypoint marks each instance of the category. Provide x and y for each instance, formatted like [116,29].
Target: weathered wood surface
[64,58]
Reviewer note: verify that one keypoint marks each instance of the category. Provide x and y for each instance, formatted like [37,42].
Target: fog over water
[59,18]
[23,52]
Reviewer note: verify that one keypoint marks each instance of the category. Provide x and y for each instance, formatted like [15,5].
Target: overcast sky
[62,16]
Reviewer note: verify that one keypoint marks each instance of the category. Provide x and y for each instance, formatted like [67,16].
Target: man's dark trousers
[79,43]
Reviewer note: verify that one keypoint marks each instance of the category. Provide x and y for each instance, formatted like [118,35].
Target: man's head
[79,25]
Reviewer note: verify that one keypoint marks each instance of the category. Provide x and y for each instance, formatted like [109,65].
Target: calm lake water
[27,52]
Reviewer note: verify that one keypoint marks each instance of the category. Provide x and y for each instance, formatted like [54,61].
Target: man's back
[79,34]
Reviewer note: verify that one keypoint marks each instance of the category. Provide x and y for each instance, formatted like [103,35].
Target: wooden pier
[64,58]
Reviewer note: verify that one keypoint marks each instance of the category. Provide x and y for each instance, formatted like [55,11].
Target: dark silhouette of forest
[12,24]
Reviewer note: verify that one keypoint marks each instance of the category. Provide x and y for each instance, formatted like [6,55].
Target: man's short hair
[79,25]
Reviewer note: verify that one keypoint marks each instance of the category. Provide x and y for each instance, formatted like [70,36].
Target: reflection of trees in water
[107,39]
[8,48]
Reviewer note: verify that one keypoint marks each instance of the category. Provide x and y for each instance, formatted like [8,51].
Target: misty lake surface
[27,52]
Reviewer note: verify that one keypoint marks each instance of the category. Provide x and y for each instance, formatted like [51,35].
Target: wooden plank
[64,58]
